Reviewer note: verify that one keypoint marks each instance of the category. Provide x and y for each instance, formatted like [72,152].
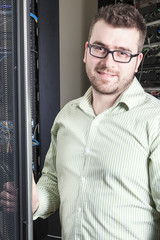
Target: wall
[75,17]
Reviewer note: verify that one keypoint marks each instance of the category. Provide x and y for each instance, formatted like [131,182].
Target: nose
[108,60]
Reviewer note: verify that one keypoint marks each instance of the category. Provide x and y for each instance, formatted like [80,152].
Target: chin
[105,91]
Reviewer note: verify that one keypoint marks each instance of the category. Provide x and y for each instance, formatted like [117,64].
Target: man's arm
[45,194]
[154,164]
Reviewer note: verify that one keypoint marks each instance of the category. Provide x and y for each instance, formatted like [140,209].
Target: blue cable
[35,142]
[34,16]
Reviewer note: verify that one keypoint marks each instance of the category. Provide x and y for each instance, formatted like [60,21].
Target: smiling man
[111,73]
[103,165]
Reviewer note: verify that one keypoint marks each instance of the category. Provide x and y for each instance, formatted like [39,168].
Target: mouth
[106,75]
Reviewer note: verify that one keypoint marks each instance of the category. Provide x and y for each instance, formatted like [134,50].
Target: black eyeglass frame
[112,52]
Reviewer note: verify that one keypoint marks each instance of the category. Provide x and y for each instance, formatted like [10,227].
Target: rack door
[15,122]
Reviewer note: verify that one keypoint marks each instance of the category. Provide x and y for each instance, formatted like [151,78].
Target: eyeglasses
[118,55]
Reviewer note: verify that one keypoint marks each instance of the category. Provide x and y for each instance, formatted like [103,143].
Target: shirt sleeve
[47,185]
[154,165]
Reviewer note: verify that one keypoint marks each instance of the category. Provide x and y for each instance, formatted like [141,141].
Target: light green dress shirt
[104,171]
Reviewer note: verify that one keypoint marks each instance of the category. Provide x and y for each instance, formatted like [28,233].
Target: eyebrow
[115,47]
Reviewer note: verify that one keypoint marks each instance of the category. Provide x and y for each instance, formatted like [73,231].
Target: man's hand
[8,197]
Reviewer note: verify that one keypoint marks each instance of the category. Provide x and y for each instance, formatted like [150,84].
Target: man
[103,168]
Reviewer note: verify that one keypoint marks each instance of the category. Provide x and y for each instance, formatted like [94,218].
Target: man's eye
[98,48]
[125,54]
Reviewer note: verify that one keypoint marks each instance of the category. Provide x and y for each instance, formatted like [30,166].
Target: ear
[85,52]
[139,59]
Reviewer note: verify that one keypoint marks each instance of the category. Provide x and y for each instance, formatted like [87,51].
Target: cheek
[125,71]
[90,61]
[131,68]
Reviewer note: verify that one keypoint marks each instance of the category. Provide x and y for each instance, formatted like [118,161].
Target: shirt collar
[133,96]
[86,102]
[129,99]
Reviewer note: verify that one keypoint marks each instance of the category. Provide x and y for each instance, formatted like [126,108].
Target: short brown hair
[122,16]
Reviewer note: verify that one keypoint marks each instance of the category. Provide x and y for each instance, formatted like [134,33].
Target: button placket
[82,196]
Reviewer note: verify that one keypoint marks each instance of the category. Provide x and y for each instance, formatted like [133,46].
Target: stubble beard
[101,86]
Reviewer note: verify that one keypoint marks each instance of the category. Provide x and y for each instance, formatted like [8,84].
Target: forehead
[112,36]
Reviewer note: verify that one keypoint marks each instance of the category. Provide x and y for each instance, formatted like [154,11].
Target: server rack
[149,73]
[102,3]
[29,102]
[15,122]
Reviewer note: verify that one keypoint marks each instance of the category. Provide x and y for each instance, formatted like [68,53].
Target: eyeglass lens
[101,52]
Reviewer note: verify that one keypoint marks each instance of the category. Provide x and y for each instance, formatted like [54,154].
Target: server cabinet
[102,3]
[15,122]
[29,102]
[149,72]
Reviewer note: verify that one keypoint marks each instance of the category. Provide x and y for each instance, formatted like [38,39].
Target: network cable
[141,69]
[34,17]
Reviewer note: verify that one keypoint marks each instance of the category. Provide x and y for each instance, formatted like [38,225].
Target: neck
[101,102]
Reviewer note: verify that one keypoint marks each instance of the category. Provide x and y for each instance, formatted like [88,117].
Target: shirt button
[87,150]
[83,179]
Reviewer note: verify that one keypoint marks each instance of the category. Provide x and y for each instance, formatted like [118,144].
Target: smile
[106,74]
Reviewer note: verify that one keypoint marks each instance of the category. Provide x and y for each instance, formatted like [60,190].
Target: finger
[9,209]
[8,206]
[7,196]
[9,187]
